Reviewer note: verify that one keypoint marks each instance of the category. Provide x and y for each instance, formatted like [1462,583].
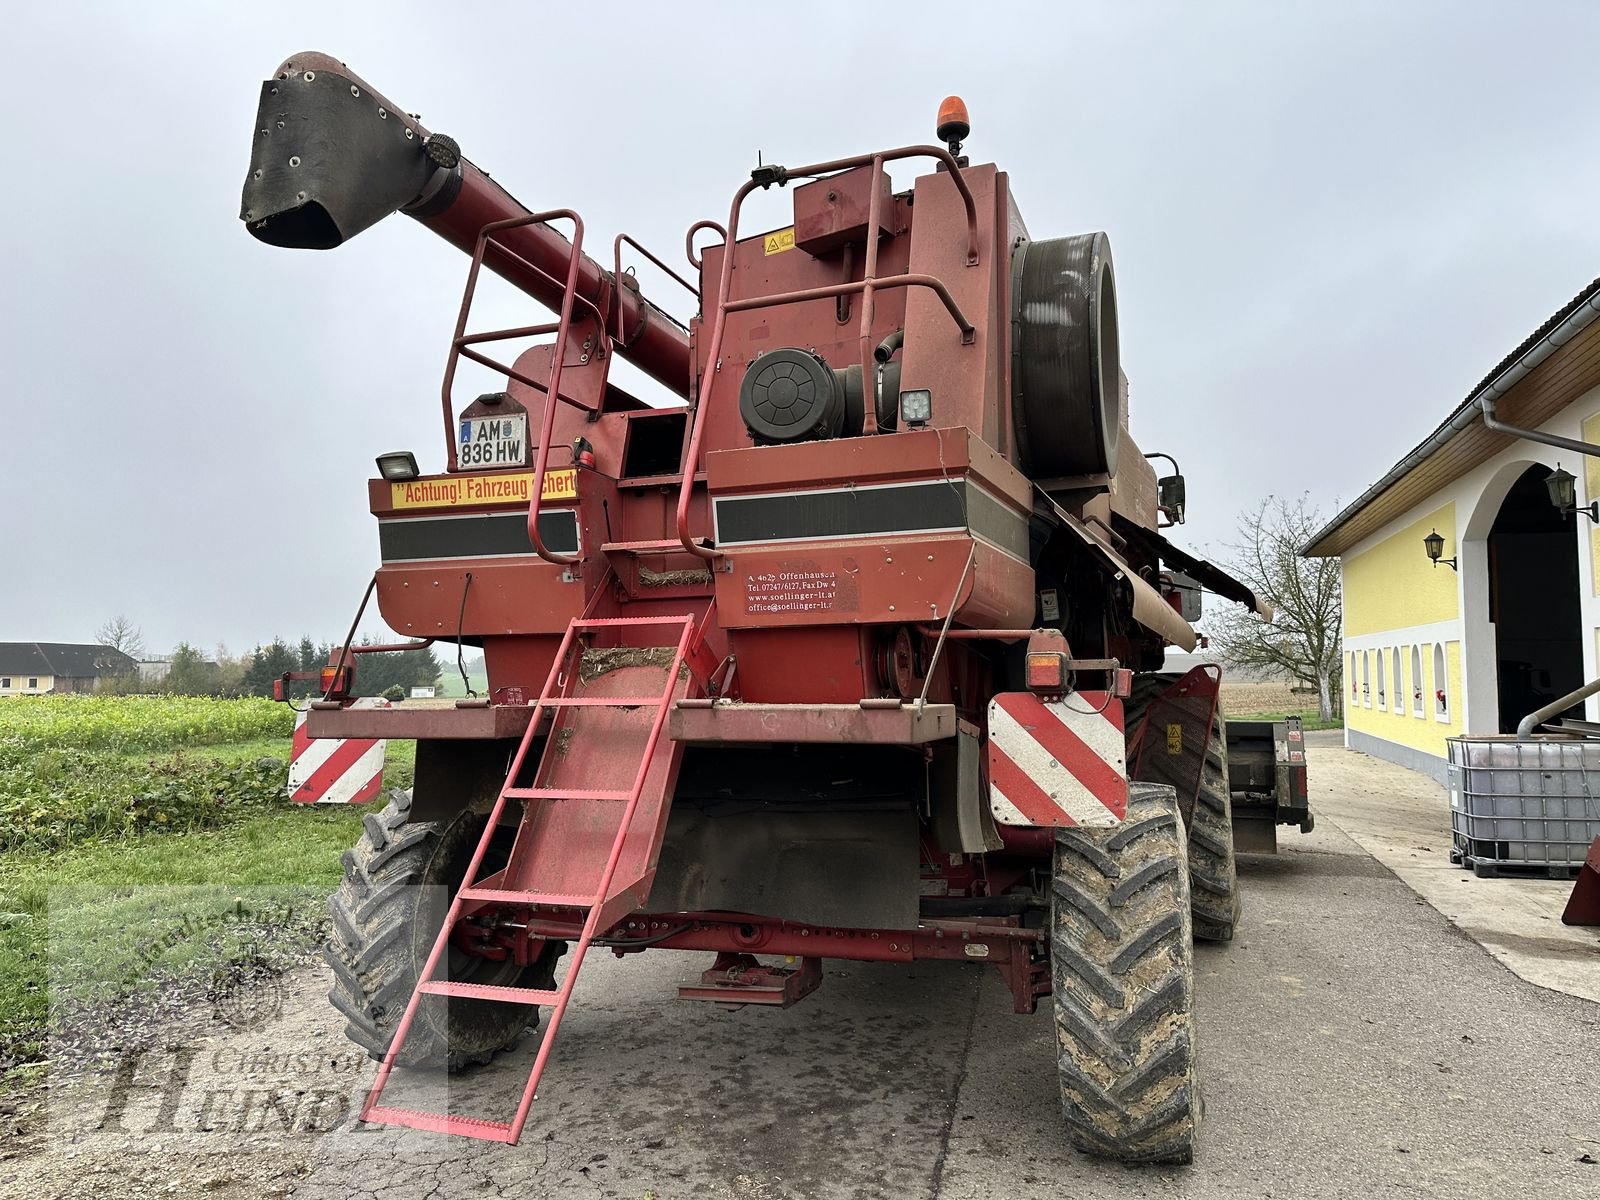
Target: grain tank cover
[1066,395]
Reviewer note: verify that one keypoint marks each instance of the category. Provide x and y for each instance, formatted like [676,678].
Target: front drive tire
[1123,967]
[398,880]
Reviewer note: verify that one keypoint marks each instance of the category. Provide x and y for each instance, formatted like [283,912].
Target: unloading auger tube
[333,157]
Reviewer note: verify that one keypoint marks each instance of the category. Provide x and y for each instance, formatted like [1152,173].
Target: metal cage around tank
[1524,803]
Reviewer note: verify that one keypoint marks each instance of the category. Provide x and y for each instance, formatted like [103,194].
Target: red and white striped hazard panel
[335,770]
[1058,762]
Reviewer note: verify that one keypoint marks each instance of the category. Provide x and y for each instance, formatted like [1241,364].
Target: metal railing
[867,287]
[463,343]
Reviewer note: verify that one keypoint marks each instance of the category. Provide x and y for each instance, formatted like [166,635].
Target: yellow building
[1508,619]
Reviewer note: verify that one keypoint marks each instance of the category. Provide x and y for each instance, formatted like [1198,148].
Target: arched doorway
[1533,601]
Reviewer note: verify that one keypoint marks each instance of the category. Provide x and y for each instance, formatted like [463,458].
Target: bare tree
[1302,639]
[121,634]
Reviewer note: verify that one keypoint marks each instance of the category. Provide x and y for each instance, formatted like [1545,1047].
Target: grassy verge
[112,923]
[93,920]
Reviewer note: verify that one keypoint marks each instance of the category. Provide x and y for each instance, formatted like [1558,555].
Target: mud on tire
[1213,870]
[1123,967]
[386,913]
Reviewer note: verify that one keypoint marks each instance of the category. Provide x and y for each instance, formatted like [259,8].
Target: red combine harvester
[851,651]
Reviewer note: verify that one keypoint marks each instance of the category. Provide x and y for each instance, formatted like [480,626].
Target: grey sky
[1327,226]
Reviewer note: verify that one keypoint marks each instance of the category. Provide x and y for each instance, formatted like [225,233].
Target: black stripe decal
[864,512]
[489,535]
[994,522]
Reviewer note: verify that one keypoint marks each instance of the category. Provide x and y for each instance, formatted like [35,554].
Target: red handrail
[461,342]
[688,239]
[616,272]
[461,346]
[866,286]
[552,397]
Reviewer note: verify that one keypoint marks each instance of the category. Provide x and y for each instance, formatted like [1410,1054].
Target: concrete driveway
[1354,1043]
[1402,818]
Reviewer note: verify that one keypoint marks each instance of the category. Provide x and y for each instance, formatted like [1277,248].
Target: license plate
[494,441]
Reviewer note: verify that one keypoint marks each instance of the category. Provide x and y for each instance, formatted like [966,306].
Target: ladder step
[485,991]
[538,793]
[666,546]
[612,622]
[603,702]
[510,896]
[413,1118]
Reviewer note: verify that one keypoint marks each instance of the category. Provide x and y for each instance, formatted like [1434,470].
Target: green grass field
[142,821]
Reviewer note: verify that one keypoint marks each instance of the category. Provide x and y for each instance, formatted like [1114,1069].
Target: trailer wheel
[1213,869]
[386,914]
[1123,969]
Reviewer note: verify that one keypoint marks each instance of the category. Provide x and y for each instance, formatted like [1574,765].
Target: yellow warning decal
[501,488]
[777,243]
[1174,739]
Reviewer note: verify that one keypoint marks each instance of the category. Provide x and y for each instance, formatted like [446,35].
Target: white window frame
[1418,709]
[1441,683]
[1366,679]
[33,683]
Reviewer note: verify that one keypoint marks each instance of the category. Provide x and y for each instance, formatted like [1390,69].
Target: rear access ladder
[562,831]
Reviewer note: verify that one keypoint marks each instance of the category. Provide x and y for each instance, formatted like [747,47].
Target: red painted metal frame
[893,724]
[1002,942]
[486,721]
[735,980]
[866,286]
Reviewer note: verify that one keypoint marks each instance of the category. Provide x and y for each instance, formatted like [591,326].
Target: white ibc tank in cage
[1533,803]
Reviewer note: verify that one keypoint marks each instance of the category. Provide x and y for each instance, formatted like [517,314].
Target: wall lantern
[1563,488]
[1434,545]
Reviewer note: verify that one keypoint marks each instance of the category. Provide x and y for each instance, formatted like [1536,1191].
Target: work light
[916,407]
[398,466]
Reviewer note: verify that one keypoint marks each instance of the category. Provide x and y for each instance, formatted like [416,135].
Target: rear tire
[398,880]
[1213,868]
[1123,972]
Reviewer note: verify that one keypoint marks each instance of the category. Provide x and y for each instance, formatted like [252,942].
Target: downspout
[1483,401]
[1490,421]
[1533,720]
